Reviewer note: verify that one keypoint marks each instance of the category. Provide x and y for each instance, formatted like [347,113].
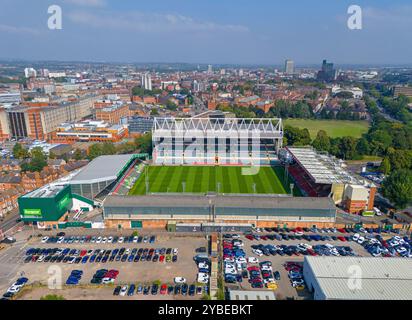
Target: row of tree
[34,160]
[141,144]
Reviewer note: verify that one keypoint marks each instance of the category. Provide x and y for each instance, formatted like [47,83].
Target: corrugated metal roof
[227,201]
[103,168]
[379,278]
[252,295]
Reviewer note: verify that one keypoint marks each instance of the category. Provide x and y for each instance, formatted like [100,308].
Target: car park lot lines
[283,288]
[142,272]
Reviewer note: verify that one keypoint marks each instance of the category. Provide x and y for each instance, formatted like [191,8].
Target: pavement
[12,265]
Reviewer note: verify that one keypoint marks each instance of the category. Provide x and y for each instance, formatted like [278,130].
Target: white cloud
[151,23]
[18,30]
[87,3]
[395,16]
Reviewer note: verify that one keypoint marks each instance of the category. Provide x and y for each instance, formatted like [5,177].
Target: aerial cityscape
[192,151]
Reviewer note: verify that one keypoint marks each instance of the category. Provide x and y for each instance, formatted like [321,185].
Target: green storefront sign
[43,208]
[32,212]
[64,202]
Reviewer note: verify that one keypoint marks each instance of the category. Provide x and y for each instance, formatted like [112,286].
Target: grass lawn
[202,179]
[334,128]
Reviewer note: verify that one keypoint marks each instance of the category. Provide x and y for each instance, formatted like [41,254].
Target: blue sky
[210,31]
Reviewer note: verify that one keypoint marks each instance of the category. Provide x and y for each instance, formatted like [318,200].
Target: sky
[208,31]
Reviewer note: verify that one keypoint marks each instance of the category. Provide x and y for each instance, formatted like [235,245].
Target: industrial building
[49,203]
[258,210]
[358,278]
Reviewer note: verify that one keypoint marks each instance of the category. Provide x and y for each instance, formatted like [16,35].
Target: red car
[342,239]
[83,253]
[254,268]
[163,289]
[342,230]
[112,274]
[161,258]
[264,237]
[249,237]
[311,252]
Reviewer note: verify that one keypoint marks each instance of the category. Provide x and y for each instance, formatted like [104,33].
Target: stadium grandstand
[216,141]
[319,174]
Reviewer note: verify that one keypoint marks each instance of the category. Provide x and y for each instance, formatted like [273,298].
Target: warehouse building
[50,203]
[259,210]
[358,278]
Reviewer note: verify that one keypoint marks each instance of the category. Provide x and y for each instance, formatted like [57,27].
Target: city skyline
[107,31]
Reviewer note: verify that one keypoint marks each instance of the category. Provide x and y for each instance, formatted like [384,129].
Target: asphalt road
[10,221]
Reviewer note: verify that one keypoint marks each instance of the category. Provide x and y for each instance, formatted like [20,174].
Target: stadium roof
[267,127]
[103,168]
[380,278]
[227,201]
[322,167]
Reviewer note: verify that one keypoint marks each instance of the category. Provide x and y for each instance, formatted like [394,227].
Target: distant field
[334,128]
[202,179]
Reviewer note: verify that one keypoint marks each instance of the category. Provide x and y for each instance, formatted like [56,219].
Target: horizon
[219,32]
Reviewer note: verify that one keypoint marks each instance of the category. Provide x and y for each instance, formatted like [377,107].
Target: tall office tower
[240,72]
[209,69]
[222,72]
[327,73]
[146,81]
[289,67]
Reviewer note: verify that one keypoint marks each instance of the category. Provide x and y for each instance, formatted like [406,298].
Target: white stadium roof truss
[267,126]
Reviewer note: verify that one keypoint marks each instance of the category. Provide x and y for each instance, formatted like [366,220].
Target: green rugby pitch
[203,179]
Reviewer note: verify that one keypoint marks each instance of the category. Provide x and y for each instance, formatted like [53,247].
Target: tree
[362,147]
[348,148]
[397,187]
[385,166]
[144,143]
[19,152]
[296,136]
[38,160]
[78,154]
[108,148]
[322,141]
[95,151]
[400,159]
[170,105]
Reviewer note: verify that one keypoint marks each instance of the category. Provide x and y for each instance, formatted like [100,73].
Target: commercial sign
[32,212]
[64,202]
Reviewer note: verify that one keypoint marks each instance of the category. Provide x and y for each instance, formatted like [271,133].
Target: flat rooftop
[103,168]
[380,278]
[322,167]
[47,191]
